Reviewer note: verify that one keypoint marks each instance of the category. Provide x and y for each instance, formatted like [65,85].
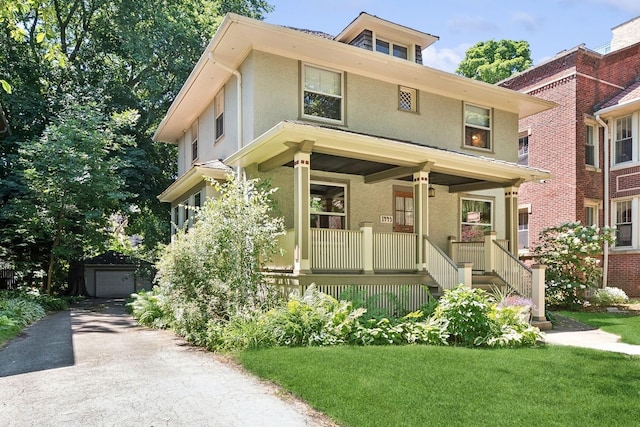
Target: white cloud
[444,59]
[526,21]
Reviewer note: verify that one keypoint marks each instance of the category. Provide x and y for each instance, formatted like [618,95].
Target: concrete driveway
[92,366]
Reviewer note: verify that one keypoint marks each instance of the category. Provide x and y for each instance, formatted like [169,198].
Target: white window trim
[341,97]
[346,206]
[527,249]
[595,205]
[634,142]
[218,107]
[464,127]
[479,199]
[596,145]
[635,220]
[195,132]
[411,48]
[413,93]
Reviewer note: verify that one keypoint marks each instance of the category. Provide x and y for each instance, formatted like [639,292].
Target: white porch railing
[394,251]
[441,268]
[512,271]
[339,250]
[472,252]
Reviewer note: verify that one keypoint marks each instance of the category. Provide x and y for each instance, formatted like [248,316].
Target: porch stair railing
[441,268]
[513,272]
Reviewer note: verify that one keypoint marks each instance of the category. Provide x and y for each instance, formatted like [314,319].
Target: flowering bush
[571,253]
[609,296]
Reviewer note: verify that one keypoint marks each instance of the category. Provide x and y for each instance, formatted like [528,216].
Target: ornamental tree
[571,252]
[492,61]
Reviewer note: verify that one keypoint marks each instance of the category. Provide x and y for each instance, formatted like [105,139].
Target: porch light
[432,191]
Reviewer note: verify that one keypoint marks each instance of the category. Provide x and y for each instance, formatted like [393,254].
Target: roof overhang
[190,179]
[619,109]
[237,36]
[381,158]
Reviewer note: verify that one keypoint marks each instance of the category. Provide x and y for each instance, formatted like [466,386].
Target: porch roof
[378,159]
[213,169]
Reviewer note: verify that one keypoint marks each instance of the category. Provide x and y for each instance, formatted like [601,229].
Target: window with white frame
[591,213]
[523,229]
[218,106]
[477,126]
[624,223]
[591,145]
[322,94]
[328,205]
[390,48]
[476,218]
[194,141]
[623,140]
[408,99]
[523,149]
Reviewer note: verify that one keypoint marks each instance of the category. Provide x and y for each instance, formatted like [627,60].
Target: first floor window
[476,219]
[403,212]
[590,215]
[624,223]
[477,126]
[322,93]
[328,205]
[523,228]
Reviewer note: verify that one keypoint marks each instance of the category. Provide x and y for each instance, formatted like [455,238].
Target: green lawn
[625,325]
[450,386]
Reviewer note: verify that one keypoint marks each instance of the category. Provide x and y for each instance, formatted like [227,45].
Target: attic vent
[407,99]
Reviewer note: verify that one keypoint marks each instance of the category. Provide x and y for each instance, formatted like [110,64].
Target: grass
[452,386]
[625,325]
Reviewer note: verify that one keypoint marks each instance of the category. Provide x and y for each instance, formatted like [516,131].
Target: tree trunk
[75,278]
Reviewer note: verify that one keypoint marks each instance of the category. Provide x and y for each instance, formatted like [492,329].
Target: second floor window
[477,126]
[590,146]
[322,94]
[523,150]
[219,112]
[624,140]
[194,141]
[408,99]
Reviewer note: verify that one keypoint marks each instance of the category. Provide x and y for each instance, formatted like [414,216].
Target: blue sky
[550,26]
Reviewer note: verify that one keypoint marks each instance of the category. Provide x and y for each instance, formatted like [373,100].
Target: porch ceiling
[378,159]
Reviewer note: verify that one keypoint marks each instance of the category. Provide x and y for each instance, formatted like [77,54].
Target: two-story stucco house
[384,166]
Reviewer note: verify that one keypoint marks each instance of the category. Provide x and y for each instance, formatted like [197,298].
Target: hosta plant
[609,296]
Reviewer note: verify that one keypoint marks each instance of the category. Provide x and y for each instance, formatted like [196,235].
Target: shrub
[571,253]
[466,313]
[609,296]
[21,311]
[511,328]
[147,308]
[405,331]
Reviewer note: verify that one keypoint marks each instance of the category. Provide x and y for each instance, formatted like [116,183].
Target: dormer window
[388,48]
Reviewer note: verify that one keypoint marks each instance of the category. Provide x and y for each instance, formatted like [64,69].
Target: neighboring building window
[194,141]
[403,211]
[197,200]
[523,228]
[475,219]
[322,93]
[623,142]
[624,223]
[523,150]
[218,106]
[176,218]
[408,99]
[477,126]
[186,211]
[590,214]
[388,48]
[328,205]
[591,146]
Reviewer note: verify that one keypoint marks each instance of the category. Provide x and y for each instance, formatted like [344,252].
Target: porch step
[488,282]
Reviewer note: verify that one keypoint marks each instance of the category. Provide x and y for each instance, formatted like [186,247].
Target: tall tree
[492,61]
[121,54]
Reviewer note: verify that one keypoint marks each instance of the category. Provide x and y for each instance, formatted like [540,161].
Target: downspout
[236,73]
[605,256]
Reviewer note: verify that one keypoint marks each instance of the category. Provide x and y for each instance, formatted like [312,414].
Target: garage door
[111,284]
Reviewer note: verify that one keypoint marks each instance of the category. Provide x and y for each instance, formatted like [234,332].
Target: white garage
[114,275]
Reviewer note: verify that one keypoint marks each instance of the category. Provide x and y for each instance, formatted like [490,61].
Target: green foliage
[147,308]
[492,61]
[377,306]
[609,296]
[212,271]
[20,312]
[571,254]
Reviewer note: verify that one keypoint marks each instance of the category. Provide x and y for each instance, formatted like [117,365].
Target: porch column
[420,214]
[366,228]
[511,217]
[301,221]
[537,291]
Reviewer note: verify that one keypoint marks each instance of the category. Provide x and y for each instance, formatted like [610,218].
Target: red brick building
[591,144]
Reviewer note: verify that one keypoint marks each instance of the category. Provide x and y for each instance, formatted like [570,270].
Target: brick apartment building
[591,144]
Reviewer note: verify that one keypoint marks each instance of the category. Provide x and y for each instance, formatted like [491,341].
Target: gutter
[605,256]
[239,102]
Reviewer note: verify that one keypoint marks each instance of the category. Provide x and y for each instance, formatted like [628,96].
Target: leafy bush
[148,310]
[405,331]
[378,306]
[21,311]
[609,296]
[511,328]
[571,253]
[466,312]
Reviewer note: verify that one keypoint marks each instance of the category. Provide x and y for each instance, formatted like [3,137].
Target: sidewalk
[575,334]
